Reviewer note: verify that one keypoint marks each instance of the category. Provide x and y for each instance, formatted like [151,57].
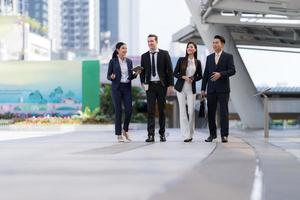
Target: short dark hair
[153,35]
[221,38]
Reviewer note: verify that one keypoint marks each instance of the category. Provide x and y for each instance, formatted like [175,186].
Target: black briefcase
[202,109]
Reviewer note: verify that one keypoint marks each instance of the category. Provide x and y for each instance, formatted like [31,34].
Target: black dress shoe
[224,139]
[210,138]
[188,140]
[163,138]
[150,139]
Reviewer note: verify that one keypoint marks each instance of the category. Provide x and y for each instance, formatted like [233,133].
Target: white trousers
[187,116]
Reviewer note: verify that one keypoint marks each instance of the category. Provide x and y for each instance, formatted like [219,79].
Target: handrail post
[266,111]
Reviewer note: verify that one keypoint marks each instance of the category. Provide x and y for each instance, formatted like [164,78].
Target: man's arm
[231,68]
[177,70]
[205,76]
[143,73]
[169,70]
[198,73]
[110,70]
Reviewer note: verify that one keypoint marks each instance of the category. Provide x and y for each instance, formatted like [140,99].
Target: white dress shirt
[217,56]
[190,71]
[124,70]
[156,77]
[191,68]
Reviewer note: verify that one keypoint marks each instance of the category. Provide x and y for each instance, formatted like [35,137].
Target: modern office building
[72,25]
[9,7]
[35,9]
[119,21]
[18,42]
[109,23]
[129,24]
[80,26]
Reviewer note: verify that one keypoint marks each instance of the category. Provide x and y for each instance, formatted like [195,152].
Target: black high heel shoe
[188,140]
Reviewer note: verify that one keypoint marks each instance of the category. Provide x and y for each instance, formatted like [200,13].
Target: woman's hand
[190,80]
[112,76]
[203,94]
[186,78]
[138,72]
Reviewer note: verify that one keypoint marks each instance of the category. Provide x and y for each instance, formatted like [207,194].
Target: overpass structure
[270,23]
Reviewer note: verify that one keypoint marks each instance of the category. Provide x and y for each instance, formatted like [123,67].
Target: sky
[266,68]
[163,18]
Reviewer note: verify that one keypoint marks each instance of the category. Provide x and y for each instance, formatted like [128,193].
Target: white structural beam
[261,36]
[251,21]
[249,108]
[276,8]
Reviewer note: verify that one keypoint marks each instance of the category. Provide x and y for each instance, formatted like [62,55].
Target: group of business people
[157,79]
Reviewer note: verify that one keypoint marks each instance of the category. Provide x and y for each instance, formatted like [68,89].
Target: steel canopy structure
[270,23]
[273,23]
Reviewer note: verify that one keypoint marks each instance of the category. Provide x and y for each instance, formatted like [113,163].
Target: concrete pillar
[249,108]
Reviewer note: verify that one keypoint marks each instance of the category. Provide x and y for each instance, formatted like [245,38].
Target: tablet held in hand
[137,68]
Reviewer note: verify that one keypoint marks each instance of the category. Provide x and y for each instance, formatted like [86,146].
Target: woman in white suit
[187,71]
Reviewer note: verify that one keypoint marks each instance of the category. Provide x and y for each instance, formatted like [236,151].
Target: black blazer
[225,66]
[115,68]
[178,73]
[164,68]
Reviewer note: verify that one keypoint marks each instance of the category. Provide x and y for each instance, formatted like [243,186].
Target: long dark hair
[185,60]
[118,46]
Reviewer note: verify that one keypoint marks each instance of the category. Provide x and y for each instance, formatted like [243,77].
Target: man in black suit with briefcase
[219,67]
[157,80]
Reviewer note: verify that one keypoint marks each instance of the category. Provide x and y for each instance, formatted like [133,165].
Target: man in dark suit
[157,80]
[219,67]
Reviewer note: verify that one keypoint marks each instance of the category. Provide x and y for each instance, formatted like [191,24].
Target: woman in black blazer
[187,71]
[120,74]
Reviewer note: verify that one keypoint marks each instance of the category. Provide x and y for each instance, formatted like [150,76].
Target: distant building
[129,24]
[72,25]
[19,43]
[119,21]
[9,7]
[109,23]
[35,9]
[80,30]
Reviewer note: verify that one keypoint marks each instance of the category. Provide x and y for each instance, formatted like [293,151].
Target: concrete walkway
[85,162]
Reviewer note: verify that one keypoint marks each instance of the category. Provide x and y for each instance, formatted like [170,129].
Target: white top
[191,68]
[156,77]
[124,70]
[190,71]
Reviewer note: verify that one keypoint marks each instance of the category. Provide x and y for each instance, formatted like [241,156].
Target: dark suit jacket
[164,68]
[225,66]
[178,73]
[115,68]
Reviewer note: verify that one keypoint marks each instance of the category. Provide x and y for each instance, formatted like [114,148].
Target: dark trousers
[119,96]
[156,93]
[213,99]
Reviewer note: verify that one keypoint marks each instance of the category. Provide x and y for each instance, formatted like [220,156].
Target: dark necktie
[153,64]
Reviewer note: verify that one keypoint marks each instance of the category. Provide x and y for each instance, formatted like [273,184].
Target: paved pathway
[85,162]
